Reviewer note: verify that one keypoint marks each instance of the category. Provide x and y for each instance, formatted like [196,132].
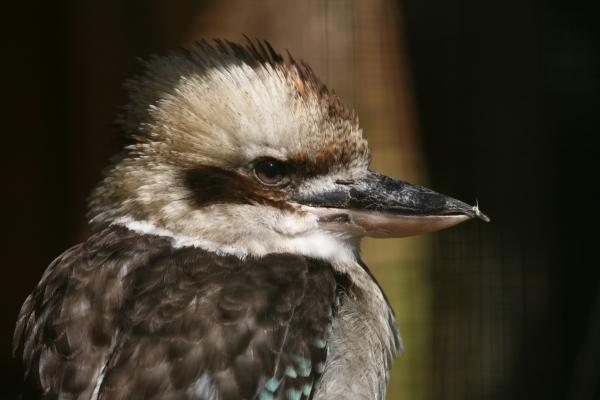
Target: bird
[224,259]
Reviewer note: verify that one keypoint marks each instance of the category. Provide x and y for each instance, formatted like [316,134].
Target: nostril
[344,181]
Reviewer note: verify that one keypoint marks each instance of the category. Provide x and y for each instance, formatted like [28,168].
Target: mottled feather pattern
[67,324]
[182,323]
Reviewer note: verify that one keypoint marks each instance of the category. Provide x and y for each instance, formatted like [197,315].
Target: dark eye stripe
[213,185]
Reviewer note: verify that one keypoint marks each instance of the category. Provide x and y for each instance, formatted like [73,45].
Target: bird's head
[237,150]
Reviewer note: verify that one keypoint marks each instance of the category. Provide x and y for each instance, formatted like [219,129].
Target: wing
[202,326]
[67,325]
[126,316]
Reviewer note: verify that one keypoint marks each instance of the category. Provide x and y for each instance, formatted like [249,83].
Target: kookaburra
[224,262]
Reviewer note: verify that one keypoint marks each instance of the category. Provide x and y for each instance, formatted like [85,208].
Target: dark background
[507,101]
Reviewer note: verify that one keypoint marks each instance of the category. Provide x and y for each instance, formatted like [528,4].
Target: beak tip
[458,206]
[480,214]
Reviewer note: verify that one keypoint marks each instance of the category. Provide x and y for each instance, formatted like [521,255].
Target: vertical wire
[326,40]
[354,44]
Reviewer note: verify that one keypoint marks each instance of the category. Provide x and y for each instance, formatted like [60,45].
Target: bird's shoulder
[67,324]
[157,321]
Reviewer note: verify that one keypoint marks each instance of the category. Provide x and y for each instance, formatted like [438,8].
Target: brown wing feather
[175,323]
[198,322]
[66,326]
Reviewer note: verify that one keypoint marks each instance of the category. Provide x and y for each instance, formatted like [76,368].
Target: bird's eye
[270,171]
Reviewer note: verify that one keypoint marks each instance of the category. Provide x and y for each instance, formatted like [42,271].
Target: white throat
[316,243]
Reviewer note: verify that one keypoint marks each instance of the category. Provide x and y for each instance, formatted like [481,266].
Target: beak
[378,206]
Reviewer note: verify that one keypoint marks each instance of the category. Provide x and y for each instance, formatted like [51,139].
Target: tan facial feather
[223,105]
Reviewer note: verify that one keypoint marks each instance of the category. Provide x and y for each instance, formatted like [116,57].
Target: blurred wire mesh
[486,311]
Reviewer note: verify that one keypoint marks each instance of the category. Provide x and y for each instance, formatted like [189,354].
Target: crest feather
[158,77]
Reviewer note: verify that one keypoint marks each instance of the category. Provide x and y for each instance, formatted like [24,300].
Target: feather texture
[159,322]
